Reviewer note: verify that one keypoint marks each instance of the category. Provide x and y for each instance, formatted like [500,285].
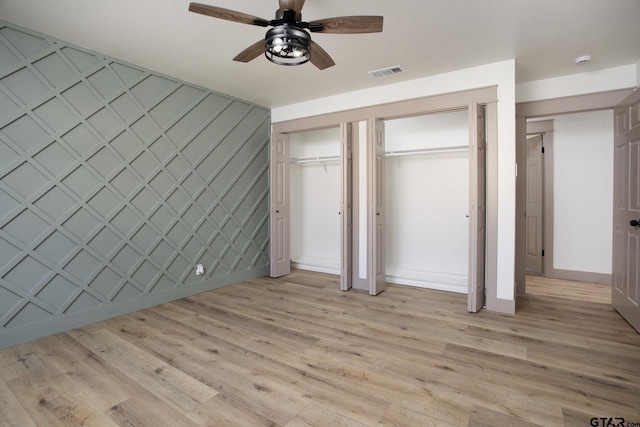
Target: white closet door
[376,186]
[477,207]
[626,210]
[280,220]
[346,208]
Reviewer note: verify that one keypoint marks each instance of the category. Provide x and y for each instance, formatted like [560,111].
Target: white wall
[315,201]
[500,74]
[577,84]
[583,191]
[427,200]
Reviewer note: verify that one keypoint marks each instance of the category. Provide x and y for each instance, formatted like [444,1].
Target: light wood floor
[581,291]
[298,352]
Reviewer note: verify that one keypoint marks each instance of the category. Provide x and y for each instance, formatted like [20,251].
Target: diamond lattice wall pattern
[114,183]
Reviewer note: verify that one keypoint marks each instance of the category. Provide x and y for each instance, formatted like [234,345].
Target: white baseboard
[428,285]
[320,265]
[442,281]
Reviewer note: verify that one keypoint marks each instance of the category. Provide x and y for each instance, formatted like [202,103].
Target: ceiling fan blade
[229,15]
[319,57]
[251,53]
[293,5]
[350,24]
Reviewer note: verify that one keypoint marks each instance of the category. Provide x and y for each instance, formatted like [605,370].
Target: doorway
[569,167]
[570,261]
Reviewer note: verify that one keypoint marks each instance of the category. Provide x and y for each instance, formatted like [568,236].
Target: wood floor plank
[104,385]
[261,329]
[173,386]
[492,321]
[12,414]
[573,290]
[149,411]
[412,330]
[245,378]
[449,382]
[314,415]
[600,364]
[224,411]
[51,399]
[552,384]
[19,360]
[430,412]
[483,417]
[607,346]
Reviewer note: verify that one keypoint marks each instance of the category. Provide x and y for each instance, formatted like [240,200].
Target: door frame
[426,105]
[546,108]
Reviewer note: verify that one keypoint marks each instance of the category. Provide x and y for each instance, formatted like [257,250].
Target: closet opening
[427,200]
[315,200]
[426,209]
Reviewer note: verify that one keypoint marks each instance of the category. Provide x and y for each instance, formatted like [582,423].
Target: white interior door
[626,210]
[477,207]
[376,185]
[534,204]
[280,220]
[346,208]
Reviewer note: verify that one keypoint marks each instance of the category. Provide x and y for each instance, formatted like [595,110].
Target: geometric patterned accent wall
[114,183]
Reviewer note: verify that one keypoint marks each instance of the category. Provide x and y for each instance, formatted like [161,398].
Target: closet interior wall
[315,200]
[427,201]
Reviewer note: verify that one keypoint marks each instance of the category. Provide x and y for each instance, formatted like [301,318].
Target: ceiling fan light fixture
[287,45]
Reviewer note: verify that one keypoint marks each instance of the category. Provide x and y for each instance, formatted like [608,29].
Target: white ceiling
[425,37]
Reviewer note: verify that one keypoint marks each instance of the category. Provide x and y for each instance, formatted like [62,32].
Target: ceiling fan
[288,42]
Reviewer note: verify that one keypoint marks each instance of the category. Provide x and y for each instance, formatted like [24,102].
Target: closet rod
[317,159]
[453,149]
[320,159]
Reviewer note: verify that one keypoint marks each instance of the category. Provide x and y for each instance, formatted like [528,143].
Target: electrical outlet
[199,270]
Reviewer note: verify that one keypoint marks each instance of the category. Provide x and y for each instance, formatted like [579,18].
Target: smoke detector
[583,60]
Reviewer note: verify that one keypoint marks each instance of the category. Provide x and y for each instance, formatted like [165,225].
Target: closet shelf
[452,149]
[317,159]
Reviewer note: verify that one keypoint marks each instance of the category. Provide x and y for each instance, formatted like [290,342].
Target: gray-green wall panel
[115,182]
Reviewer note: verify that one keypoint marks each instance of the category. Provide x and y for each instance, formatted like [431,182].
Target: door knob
[635,223]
